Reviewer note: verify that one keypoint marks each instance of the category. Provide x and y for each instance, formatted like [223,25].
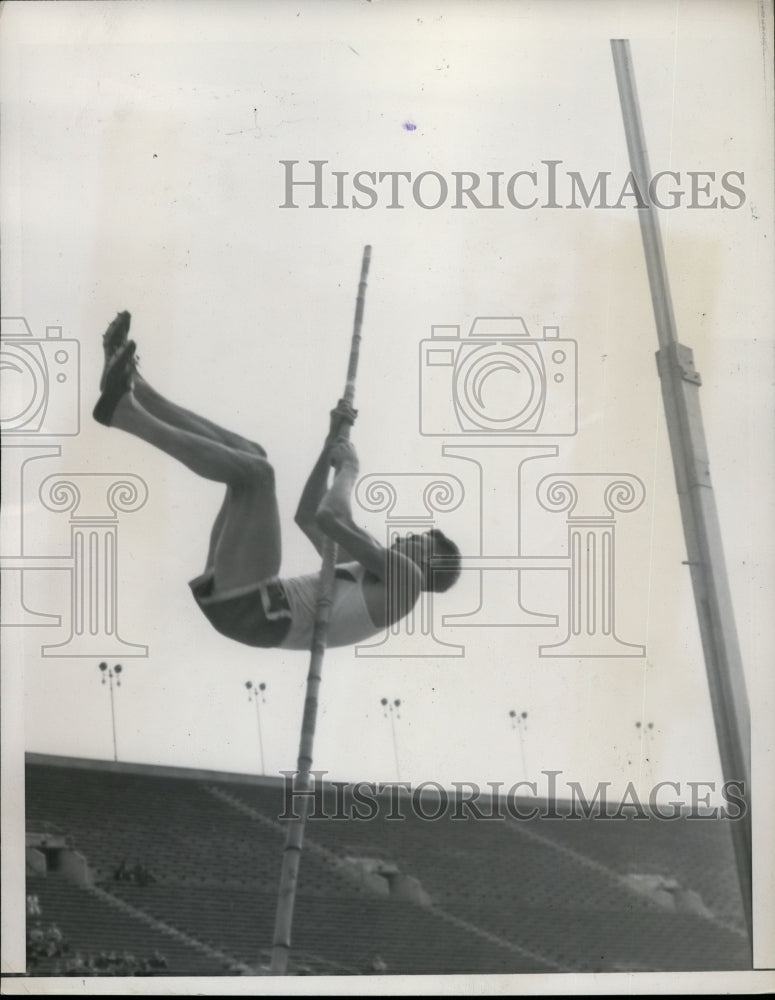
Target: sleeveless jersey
[350,621]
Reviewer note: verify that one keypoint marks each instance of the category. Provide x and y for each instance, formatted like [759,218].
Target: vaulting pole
[294,841]
[680,391]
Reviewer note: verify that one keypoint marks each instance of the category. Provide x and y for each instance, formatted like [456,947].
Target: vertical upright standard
[294,840]
[680,392]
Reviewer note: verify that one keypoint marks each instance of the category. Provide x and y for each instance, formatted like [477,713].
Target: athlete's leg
[247,547]
[245,544]
[161,408]
[215,533]
[209,459]
[114,343]
[177,416]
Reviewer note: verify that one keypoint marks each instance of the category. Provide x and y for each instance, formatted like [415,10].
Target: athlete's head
[437,556]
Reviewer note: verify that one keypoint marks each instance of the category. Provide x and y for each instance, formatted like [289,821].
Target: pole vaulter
[680,392]
[362,587]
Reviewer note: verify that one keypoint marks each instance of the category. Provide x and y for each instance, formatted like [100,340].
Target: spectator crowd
[47,947]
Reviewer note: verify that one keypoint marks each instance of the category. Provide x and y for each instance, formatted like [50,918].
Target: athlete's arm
[316,486]
[334,519]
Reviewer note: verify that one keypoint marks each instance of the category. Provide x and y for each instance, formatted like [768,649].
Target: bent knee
[256,473]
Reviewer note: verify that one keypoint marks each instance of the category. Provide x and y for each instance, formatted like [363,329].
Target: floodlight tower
[109,674]
[392,709]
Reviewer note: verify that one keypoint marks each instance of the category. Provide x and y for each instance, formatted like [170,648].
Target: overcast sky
[142,149]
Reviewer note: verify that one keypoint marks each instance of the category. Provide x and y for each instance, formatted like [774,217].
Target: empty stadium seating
[490,895]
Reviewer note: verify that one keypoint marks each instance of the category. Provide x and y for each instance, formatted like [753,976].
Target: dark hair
[446,555]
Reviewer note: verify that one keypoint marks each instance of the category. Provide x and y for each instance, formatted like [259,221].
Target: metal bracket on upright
[678,356]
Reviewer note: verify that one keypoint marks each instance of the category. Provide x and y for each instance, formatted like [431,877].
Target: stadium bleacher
[408,896]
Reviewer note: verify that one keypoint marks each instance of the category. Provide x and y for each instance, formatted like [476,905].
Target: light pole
[256,694]
[645,738]
[391,710]
[519,722]
[110,673]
